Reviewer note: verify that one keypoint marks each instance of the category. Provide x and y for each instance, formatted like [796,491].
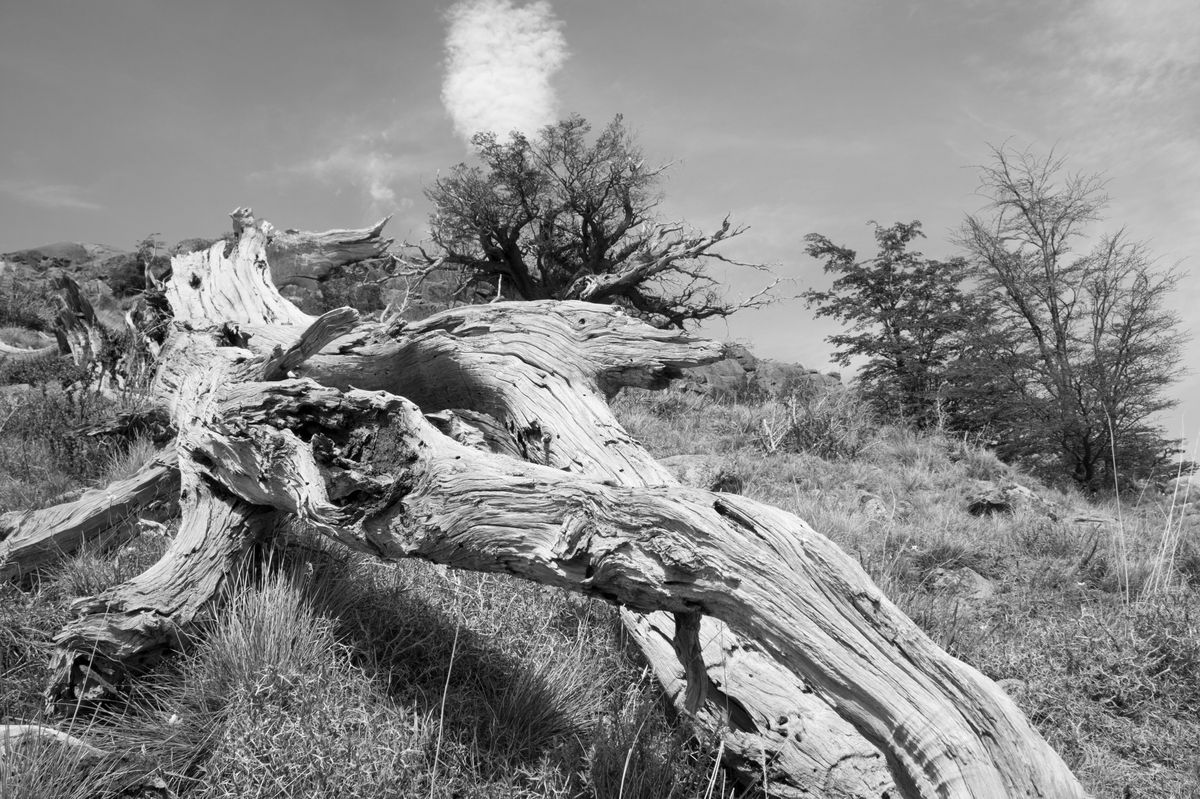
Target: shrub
[828,424]
[24,306]
[41,455]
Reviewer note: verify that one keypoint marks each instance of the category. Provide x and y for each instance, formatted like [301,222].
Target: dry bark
[82,335]
[530,378]
[297,257]
[346,446]
[129,626]
[30,540]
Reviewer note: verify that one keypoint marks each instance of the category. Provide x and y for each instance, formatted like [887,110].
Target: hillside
[336,676]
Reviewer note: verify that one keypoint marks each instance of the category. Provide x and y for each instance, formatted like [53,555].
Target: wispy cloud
[367,162]
[500,59]
[1127,83]
[1121,50]
[55,196]
[1116,87]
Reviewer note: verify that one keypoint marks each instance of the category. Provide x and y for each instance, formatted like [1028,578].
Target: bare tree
[1082,344]
[557,217]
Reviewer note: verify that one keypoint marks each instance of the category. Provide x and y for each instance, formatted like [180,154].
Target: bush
[42,371]
[829,424]
[23,306]
[41,455]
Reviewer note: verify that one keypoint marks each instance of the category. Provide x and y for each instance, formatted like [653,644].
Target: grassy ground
[1093,641]
[329,675]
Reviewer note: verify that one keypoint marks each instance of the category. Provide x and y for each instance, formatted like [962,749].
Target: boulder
[872,506]
[1006,497]
[740,375]
[700,471]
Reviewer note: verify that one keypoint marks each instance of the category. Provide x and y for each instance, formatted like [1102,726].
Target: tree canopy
[1054,351]
[906,314]
[558,216]
[1082,345]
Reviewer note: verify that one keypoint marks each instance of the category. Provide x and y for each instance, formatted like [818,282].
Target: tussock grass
[636,755]
[128,458]
[331,675]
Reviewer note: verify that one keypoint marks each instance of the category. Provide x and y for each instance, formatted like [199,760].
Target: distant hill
[27,280]
[63,255]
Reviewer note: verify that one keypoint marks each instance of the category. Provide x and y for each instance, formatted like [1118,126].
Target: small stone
[964,581]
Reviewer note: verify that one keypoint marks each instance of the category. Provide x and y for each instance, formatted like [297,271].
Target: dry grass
[24,337]
[330,675]
[1110,681]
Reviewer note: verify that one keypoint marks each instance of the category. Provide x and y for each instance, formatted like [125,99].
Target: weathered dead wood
[315,337]
[402,489]
[116,773]
[243,293]
[10,352]
[529,378]
[131,625]
[13,736]
[297,257]
[368,469]
[30,540]
[82,335]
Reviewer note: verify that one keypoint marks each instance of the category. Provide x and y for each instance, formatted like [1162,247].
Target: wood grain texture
[30,540]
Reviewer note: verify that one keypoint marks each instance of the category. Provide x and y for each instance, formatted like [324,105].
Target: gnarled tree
[557,217]
[480,438]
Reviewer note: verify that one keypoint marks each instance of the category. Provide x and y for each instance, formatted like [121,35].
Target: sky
[123,118]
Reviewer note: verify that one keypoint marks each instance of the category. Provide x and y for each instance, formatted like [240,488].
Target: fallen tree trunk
[531,378]
[8,351]
[584,508]
[297,257]
[101,517]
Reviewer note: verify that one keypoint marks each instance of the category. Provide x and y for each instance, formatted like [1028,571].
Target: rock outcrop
[742,375]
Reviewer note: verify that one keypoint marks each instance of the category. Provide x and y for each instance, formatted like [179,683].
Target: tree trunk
[813,670]
[10,352]
[534,385]
[106,516]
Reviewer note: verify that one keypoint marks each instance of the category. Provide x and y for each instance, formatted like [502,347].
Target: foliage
[904,313]
[557,217]
[1080,346]
[24,306]
[828,423]
[39,370]
[41,454]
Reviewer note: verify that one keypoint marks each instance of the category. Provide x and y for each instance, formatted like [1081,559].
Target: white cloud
[364,162]
[55,196]
[1126,78]
[500,59]
[1125,50]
